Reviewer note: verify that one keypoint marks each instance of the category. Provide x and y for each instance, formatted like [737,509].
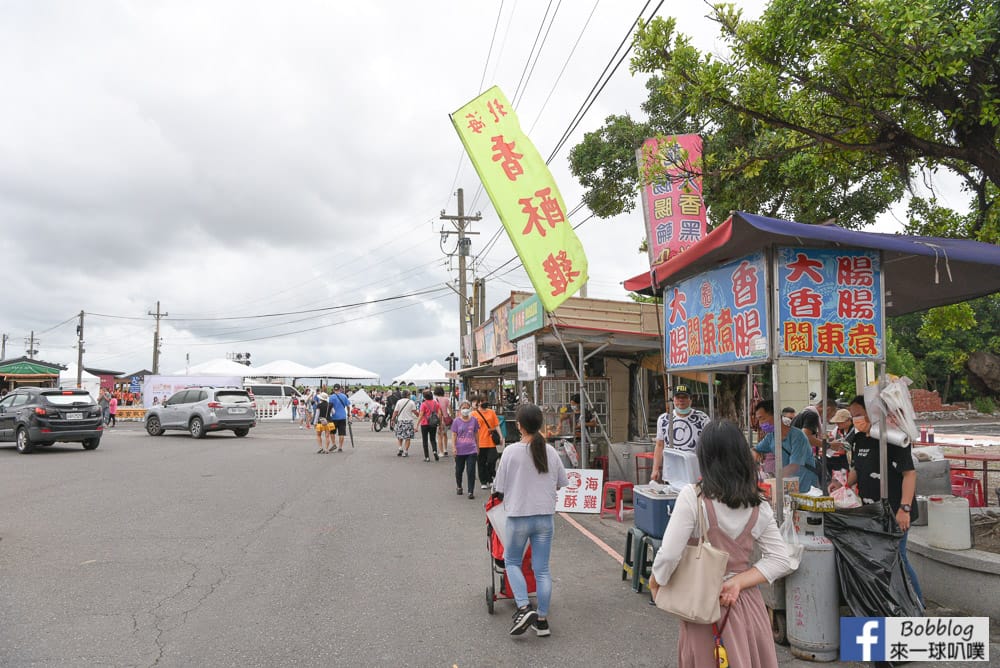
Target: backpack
[433,420]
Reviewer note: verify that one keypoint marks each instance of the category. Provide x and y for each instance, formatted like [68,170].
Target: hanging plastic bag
[873,580]
[844,497]
[896,400]
[793,547]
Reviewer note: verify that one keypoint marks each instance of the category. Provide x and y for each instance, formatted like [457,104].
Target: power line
[517,89]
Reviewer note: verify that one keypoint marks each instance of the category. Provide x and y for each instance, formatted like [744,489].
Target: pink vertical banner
[672,202]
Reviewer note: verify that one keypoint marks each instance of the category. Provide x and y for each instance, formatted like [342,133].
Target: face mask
[767,427]
[787,421]
[682,411]
[860,423]
[466,412]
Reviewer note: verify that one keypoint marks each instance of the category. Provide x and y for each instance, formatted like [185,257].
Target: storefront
[22,371]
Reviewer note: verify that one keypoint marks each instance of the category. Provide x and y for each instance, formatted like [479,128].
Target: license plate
[237,411]
[74,416]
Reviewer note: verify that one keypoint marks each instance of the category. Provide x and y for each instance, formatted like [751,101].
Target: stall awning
[24,368]
[920,272]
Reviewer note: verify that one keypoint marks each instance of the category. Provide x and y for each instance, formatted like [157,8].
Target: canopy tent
[284,369]
[423,374]
[217,367]
[88,381]
[920,272]
[362,399]
[342,371]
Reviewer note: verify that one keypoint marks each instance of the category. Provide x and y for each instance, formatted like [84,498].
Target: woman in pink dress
[737,520]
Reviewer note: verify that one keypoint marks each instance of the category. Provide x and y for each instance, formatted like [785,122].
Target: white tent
[284,369]
[428,373]
[88,381]
[342,371]
[217,367]
[362,399]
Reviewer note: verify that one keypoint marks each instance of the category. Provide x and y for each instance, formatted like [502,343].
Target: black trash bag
[873,579]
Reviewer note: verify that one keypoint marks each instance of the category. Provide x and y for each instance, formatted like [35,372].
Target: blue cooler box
[652,509]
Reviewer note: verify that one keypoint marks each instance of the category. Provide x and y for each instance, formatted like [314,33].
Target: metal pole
[749,405]
[584,402]
[883,454]
[79,353]
[711,395]
[463,304]
[779,481]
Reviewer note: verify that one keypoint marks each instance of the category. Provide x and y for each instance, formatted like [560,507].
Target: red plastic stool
[647,465]
[970,488]
[602,461]
[619,506]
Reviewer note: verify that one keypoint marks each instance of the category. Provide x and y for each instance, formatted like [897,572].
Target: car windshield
[67,398]
[234,397]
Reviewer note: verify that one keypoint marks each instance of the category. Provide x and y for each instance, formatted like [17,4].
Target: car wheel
[197,428]
[24,444]
[241,431]
[91,443]
[153,426]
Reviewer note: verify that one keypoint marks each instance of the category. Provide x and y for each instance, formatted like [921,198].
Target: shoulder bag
[432,418]
[692,593]
[494,435]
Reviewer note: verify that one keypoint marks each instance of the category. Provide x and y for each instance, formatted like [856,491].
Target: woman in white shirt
[737,520]
[529,475]
[403,417]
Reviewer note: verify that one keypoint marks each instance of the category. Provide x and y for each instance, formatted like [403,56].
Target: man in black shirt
[902,482]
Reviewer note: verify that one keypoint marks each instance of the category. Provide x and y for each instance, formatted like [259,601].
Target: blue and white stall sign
[719,317]
[830,304]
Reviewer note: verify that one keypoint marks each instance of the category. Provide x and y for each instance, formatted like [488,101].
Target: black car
[41,416]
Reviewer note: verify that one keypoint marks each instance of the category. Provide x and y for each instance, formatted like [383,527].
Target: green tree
[894,86]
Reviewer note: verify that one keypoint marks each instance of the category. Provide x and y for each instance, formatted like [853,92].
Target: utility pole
[3,348]
[79,352]
[31,341]
[464,242]
[156,338]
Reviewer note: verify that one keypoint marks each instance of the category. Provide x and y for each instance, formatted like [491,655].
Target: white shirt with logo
[686,429]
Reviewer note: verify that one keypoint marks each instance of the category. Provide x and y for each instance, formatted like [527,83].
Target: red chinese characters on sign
[694,336]
[677,310]
[803,266]
[475,122]
[798,337]
[559,269]
[583,492]
[855,304]
[805,303]
[503,152]
[706,294]
[678,346]
[747,330]
[497,109]
[830,339]
[862,339]
[744,285]
[548,210]
[708,345]
[855,271]
[725,330]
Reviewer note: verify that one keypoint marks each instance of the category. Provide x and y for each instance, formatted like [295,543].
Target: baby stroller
[494,548]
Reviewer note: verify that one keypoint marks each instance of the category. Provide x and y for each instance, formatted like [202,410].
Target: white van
[271,398]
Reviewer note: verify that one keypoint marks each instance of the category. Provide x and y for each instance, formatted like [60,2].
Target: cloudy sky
[283,159]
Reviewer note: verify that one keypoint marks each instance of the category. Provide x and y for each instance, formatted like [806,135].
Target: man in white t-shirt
[680,427]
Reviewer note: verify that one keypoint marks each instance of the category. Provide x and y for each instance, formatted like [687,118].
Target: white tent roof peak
[343,371]
[423,374]
[284,368]
[217,367]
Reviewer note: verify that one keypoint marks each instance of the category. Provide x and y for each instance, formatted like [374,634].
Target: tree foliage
[822,109]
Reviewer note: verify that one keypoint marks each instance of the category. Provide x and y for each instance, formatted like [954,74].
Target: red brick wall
[925,401]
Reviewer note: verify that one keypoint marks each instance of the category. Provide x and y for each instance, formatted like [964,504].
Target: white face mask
[466,412]
[787,421]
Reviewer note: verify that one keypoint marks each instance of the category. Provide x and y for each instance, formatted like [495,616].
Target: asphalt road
[259,552]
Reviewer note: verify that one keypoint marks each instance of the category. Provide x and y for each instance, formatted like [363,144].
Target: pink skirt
[747,637]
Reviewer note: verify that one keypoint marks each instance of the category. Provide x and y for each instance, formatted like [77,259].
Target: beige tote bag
[692,593]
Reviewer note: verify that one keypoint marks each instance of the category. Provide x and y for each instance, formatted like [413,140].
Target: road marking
[597,541]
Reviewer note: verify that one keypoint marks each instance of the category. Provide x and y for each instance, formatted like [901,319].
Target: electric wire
[527,62]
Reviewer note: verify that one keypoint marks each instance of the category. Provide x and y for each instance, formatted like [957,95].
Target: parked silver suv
[204,409]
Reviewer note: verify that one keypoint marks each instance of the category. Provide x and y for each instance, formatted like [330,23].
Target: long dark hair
[728,472]
[529,416]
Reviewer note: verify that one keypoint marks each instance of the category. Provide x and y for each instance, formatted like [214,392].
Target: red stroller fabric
[496,552]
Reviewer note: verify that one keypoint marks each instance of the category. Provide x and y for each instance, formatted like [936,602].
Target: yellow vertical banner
[525,196]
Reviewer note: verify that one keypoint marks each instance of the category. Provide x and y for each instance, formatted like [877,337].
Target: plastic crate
[652,510]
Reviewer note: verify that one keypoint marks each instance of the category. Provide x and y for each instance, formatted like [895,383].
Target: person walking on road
[490,437]
[306,409]
[728,497]
[323,424]
[465,446]
[403,417]
[339,406]
[446,418]
[430,420]
[112,410]
[528,478]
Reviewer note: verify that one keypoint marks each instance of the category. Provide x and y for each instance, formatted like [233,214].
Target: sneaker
[340,449]
[523,618]
[406,454]
[471,495]
[484,486]
[541,627]
[436,458]
[460,492]
[427,459]
[400,453]
[320,451]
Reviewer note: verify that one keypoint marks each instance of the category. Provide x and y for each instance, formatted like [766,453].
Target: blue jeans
[909,569]
[538,529]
